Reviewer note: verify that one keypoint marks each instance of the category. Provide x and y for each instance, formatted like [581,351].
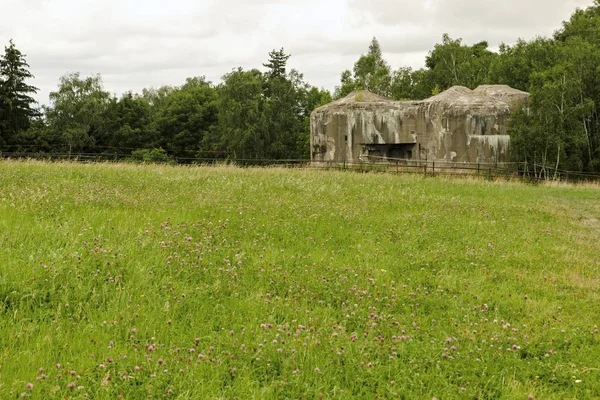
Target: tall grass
[199,282]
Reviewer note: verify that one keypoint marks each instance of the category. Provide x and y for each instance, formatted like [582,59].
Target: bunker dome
[459,124]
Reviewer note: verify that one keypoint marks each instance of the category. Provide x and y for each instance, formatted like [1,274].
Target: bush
[157,156]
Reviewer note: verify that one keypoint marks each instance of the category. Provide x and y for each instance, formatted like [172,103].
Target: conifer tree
[16,104]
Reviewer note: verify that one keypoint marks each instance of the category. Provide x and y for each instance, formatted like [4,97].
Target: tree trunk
[557,162]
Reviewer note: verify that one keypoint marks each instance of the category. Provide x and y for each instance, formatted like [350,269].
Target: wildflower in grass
[73,373]
[449,340]
[296,372]
[71,385]
[317,369]
[161,361]
[101,366]
[58,366]
[30,386]
[137,368]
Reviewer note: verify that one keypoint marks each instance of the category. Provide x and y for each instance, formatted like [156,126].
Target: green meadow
[221,283]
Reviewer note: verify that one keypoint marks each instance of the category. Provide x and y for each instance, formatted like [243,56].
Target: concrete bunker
[459,125]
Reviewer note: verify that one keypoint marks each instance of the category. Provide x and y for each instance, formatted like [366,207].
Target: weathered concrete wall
[457,125]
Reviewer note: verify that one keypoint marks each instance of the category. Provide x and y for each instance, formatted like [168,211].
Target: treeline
[253,114]
[250,115]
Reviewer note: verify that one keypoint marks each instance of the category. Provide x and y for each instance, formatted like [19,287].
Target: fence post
[425,169]
[477,169]
[433,168]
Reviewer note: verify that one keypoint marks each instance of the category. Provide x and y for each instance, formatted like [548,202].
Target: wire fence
[372,164]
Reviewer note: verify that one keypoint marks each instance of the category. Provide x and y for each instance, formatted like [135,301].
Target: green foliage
[311,99]
[194,283]
[283,114]
[452,63]
[186,117]
[154,156]
[371,72]
[16,104]
[449,63]
[77,111]
[515,64]
[241,118]
[129,123]
[276,66]
[409,84]
[562,77]
[267,116]
[347,86]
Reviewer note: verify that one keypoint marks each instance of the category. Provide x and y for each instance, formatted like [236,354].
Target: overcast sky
[143,43]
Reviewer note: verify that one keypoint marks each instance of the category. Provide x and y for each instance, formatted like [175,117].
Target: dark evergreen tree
[16,104]
[277,63]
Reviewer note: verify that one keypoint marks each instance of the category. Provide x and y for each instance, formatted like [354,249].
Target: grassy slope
[281,284]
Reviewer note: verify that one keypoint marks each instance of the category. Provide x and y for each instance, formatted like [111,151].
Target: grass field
[156,281]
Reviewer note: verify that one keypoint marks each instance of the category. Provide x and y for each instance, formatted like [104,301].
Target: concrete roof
[457,97]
